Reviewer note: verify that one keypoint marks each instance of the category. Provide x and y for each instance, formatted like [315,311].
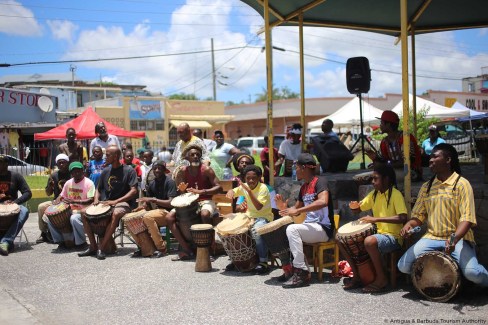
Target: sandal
[183,256]
[374,289]
[350,284]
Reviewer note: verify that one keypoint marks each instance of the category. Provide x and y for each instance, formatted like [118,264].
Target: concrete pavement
[41,286]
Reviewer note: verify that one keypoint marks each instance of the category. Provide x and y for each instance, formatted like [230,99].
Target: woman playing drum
[258,208]
[389,214]
[314,200]
[446,204]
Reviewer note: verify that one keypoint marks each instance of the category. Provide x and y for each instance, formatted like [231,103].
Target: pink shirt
[80,191]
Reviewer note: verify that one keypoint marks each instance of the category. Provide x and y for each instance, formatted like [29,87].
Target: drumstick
[414,230]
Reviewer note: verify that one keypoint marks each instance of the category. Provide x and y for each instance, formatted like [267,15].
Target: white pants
[303,232]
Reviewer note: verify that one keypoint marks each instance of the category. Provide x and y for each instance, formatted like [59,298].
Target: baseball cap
[75,164]
[432,128]
[306,159]
[389,116]
[161,163]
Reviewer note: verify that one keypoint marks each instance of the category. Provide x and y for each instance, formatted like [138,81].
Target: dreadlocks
[386,171]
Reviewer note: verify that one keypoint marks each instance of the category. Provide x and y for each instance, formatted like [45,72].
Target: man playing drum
[446,203]
[78,192]
[54,186]
[199,179]
[258,208]
[117,188]
[313,199]
[160,192]
[10,184]
[389,214]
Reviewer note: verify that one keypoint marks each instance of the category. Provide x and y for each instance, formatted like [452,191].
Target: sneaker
[299,279]
[42,238]
[284,277]
[100,255]
[262,268]
[88,252]
[230,267]
[4,249]
[137,253]
[159,254]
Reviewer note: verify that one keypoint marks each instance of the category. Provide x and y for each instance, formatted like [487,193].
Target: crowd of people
[115,179]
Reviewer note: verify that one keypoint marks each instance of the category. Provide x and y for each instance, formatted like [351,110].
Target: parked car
[23,168]
[254,145]
[454,134]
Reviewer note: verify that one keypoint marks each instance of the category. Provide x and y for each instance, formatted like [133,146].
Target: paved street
[38,286]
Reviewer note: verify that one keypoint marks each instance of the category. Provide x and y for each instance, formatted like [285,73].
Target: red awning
[85,128]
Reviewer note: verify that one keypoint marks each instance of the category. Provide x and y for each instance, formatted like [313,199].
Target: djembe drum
[187,213]
[59,216]
[235,234]
[99,217]
[202,235]
[138,230]
[436,276]
[8,214]
[352,236]
[274,235]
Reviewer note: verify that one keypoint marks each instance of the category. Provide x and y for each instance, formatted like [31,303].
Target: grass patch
[36,182]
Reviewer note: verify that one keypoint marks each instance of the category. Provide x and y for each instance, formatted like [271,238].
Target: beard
[195,163]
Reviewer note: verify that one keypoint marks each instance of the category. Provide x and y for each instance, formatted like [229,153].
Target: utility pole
[72,68]
[214,77]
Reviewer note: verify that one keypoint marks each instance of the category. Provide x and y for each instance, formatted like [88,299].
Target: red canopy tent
[85,128]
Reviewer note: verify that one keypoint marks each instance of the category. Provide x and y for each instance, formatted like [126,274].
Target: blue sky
[52,30]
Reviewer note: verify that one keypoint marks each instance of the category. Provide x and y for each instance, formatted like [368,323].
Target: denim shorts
[387,243]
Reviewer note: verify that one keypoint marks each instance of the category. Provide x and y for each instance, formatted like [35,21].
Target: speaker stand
[361,136]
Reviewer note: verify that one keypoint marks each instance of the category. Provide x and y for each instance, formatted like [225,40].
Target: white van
[254,145]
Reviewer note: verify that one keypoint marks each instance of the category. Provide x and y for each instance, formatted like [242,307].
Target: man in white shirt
[210,144]
[103,139]
[290,149]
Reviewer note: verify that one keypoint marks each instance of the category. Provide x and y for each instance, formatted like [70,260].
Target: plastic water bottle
[294,172]
[227,175]
[162,230]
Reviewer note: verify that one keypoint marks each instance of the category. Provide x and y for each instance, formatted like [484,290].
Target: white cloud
[14,21]
[62,30]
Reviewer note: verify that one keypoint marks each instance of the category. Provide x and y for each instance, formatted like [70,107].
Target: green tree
[183,96]
[278,93]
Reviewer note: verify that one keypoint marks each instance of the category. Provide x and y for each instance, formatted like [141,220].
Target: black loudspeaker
[358,75]
[332,154]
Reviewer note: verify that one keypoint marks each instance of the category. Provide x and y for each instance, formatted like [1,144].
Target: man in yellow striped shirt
[446,204]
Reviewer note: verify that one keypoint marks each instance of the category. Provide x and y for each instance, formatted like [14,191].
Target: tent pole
[414,80]
[406,137]
[302,83]
[269,82]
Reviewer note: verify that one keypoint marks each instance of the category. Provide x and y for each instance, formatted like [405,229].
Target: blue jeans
[78,231]
[261,247]
[464,254]
[387,243]
[15,227]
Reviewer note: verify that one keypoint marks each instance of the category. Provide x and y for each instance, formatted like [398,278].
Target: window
[144,125]
[471,87]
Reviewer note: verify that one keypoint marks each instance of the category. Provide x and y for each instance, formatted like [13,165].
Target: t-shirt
[112,140]
[210,144]
[162,189]
[75,155]
[382,209]
[145,169]
[394,151]
[165,156]
[10,184]
[308,194]
[219,157]
[59,179]
[80,191]
[428,145]
[262,194]
[116,182]
[289,150]
[94,171]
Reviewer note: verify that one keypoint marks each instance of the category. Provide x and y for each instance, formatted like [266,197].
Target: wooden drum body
[239,244]
[138,230]
[352,236]
[436,276]
[59,216]
[8,215]
[274,235]
[99,217]
[187,213]
[203,235]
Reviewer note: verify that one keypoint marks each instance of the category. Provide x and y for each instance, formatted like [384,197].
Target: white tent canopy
[435,110]
[348,115]
[472,112]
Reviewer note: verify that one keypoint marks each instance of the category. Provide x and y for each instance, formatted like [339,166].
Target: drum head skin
[202,226]
[273,225]
[436,276]
[95,210]
[353,228]
[184,200]
[9,209]
[234,223]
